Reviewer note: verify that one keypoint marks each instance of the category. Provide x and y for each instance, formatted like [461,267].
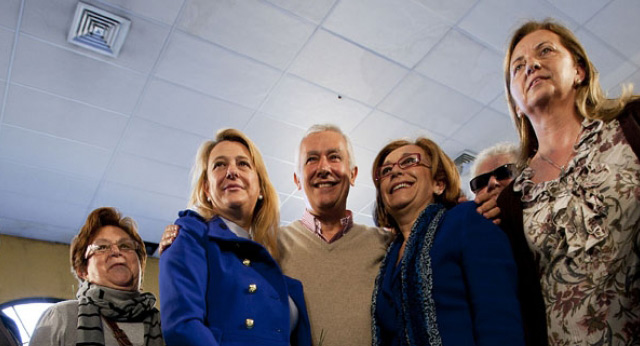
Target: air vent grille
[98,30]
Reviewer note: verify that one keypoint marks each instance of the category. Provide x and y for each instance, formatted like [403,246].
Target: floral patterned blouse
[583,229]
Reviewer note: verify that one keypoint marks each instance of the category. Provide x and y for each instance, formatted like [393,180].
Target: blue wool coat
[218,288]
[458,283]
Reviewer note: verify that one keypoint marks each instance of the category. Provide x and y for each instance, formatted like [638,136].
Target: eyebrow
[536,48]
[318,152]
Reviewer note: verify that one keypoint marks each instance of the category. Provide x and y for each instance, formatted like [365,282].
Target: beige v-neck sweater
[338,279]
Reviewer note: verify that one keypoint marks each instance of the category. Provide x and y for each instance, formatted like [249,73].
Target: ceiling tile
[41,210]
[579,10]
[6,46]
[175,106]
[300,103]
[635,80]
[36,230]
[149,175]
[51,20]
[430,105]
[48,152]
[281,174]
[346,68]
[157,142]
[314,10]
[624,34]
[194,63]
[50,68]
[34,110]
[249,27]
[611,66]
[37,182]
[364,161]
[9,10]
[401,30]
[466,66]
[133,201]
[452,10]
[499,104]
[492,21]
[360,198]
[165,11]
[453,148]
[273,137]
[291,209]
[380,128]
[364,219]
[150,230]
[485,129]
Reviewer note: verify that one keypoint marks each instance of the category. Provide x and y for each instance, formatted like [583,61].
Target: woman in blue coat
[449,277]
[219,281]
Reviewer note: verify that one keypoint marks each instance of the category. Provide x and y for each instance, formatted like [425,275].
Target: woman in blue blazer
[449,277]
[219,281]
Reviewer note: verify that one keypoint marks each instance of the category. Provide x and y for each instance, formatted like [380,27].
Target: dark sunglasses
[501,173]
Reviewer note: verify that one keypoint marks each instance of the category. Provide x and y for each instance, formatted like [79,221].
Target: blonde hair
[266,218]
[442,169]
[591,101]
[101,217]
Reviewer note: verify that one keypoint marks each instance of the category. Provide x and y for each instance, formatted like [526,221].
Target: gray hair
[322,128]
[503,148]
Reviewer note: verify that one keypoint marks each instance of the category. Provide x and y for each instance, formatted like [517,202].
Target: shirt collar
[236,229]
[314,225]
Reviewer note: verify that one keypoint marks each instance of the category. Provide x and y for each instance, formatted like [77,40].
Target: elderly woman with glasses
[108,258]
[448,277]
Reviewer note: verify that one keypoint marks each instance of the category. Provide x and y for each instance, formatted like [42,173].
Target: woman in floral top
[578,193]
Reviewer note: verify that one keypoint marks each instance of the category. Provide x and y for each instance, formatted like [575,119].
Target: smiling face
[232,183]
[542,71]
[114,268]
[408,191]
[326,176]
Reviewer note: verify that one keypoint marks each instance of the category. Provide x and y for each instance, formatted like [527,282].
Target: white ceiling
[79,130]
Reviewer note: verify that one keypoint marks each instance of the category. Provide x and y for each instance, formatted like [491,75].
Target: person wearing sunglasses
[448,277]
[494,168]
[108,258]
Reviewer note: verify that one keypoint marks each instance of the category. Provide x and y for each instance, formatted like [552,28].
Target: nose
[532,65]
[323,165]
[114,250]
[232,171]
[493,184]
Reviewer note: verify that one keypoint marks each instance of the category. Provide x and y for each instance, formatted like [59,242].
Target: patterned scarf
[96,301]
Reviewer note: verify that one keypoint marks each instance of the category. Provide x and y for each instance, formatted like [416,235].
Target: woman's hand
[168,236]
[488,205]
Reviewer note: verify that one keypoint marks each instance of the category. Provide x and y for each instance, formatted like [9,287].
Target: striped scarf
[96,301]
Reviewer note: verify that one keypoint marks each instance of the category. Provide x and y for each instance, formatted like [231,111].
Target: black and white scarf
[96,301]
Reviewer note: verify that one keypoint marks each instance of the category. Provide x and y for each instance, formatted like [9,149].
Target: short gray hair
[322,128]
[503,148]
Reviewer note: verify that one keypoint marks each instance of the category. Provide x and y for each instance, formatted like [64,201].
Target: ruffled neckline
[576,202]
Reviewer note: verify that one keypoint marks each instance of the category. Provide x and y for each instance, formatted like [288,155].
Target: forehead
[322,142]
[228,149]
[493,162]
[532,39]
[112,233]
[404,150]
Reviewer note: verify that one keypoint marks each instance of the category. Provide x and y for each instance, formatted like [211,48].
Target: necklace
[549,161]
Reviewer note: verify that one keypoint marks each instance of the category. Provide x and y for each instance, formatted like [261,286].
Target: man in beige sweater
[336,260]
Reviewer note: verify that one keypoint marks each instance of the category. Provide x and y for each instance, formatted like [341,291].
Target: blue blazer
[460,286]
[218,288]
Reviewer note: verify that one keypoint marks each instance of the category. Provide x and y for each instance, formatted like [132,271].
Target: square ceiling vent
[98,30]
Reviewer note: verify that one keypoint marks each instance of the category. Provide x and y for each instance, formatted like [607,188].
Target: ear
[205,186]
[580,73]
[519,112]
[438,187]
[354,174]
[297,181]
[82,273]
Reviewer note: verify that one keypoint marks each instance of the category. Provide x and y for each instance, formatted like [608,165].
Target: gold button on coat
[253,288]
[249,323]
[246,262]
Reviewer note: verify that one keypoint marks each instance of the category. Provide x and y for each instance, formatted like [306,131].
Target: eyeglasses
[404,163]
[102,247]
[501,173]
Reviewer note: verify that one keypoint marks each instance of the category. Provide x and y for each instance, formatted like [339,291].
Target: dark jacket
[218,288]
[458,282]
[509,202]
